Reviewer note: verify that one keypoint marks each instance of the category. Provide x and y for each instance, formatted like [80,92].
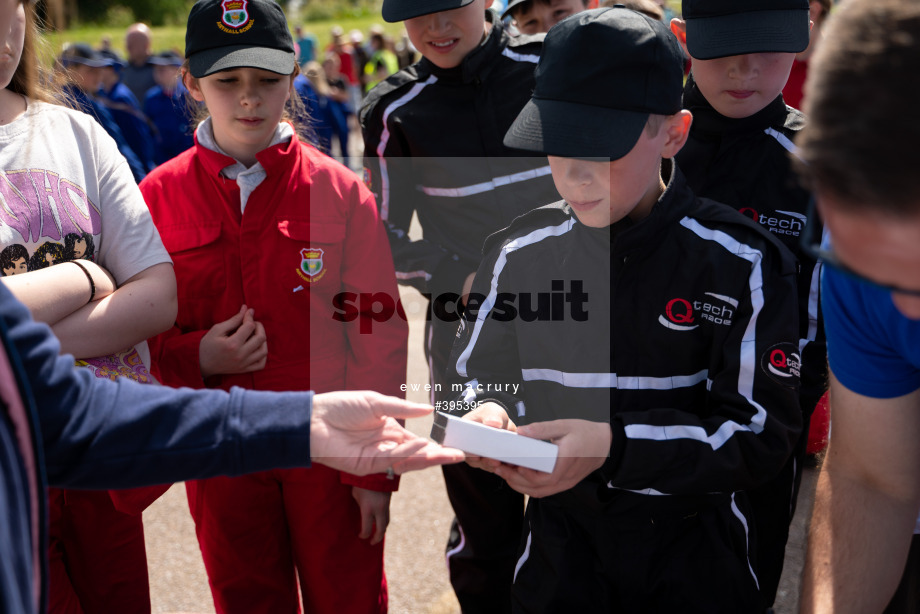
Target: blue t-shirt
[872,348]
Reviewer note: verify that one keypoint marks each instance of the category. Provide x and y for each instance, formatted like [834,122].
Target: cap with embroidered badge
[401,10]
[598,109]
[721,28]
[225,34]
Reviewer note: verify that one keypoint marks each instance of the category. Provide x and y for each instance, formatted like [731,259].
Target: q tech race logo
[681,314]
[783,364]
[787,223]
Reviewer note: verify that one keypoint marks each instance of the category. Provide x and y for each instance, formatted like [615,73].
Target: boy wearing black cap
[739,153]
[674,391]
[536,16]
[433,146]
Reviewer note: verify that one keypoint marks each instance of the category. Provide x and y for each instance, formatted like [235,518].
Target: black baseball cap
[223,34]
[82,53]
[401,10]
[598,109]
[111,58]
[511,5]
[719,28]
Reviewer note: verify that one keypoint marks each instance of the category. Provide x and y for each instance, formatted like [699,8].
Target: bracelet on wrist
[92,284]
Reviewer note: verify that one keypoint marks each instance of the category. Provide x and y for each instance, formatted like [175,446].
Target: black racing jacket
[680,331]
[746,163]
[433,146]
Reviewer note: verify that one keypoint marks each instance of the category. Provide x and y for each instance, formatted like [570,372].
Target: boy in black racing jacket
[659,348]
[433,146]
[740,153]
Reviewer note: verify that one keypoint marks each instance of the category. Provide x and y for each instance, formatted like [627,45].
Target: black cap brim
[210,61]
[777,31]
[511,6]
[401,10]
[574,130]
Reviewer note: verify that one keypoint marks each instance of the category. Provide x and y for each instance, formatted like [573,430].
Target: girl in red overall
[280,258]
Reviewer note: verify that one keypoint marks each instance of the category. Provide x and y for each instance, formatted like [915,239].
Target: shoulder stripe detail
[783,140]
[612,380]
[521,57]
[485,309]
[748,355]
[385,139]
[487,186]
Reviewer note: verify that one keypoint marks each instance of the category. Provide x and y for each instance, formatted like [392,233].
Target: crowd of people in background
[141,102]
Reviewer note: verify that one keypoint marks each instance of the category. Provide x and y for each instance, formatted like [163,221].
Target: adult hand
[236,345]
[357,432]
[494,415]
[583,447]
[375,512]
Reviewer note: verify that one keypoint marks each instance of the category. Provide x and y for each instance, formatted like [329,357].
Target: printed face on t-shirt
[18,266]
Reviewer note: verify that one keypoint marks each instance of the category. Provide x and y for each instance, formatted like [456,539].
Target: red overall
[310,231]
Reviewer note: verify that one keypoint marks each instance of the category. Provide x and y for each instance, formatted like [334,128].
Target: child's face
[246,105]
[538,17]
[165,77]
[602,193]
[87,78]
[13,27]
[741,85]
[447,37]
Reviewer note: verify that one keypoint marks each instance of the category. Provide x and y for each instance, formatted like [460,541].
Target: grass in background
[316,16]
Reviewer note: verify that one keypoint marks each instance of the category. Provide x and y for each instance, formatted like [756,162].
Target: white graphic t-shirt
[67,193]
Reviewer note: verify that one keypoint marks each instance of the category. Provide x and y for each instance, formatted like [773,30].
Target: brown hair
[859,143]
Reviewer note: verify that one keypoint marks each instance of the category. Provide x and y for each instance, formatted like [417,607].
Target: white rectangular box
[490,442]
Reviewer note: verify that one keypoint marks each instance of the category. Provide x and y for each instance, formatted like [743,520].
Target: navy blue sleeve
[98,433]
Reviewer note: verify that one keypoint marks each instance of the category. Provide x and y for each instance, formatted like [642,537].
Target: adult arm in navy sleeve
[101,434]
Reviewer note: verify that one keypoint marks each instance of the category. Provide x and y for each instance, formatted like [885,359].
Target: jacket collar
[673,204]
[272,159]
[709,122]
[476,61]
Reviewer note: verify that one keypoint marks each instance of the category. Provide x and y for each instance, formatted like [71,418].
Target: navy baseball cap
[401,10]
[166,58]
[598,109]
[82,53]
[720,28]
[224,34]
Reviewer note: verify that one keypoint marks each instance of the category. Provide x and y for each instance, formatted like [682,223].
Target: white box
[490,442]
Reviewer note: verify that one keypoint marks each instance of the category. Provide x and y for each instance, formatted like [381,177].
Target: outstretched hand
[357,432]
